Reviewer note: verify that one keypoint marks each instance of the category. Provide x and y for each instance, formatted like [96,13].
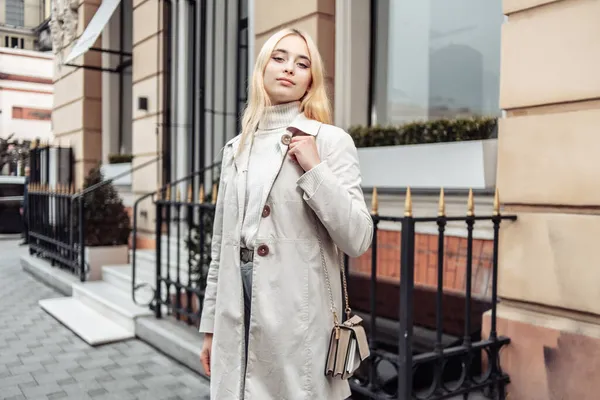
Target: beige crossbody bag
[348,345]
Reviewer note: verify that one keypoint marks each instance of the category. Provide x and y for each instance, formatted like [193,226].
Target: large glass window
[436,59]
[15,12]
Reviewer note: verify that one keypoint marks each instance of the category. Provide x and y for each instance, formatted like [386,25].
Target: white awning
[94,29]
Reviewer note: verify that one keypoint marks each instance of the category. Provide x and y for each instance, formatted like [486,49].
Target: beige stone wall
[548,165]
[34,13]
[147,82]
[317,17]
[77,111]
[549,175]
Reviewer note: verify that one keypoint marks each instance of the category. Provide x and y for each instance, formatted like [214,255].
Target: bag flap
[361,341]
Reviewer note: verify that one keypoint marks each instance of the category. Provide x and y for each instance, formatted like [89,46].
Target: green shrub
[119,158]
[106,220]
[435,131]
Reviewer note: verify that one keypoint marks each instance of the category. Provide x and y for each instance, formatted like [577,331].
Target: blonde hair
[314,104]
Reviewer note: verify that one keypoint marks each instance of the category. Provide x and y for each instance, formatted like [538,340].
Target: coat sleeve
[333,190]
[207,320]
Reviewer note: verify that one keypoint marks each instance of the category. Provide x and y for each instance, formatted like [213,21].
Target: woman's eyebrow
[287,53]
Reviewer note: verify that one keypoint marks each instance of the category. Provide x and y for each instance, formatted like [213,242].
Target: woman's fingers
[205,358]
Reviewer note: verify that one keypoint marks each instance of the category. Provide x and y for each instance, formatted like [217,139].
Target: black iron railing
[50,219]
[183,231]
[56,220]
[49,208]
[470,364]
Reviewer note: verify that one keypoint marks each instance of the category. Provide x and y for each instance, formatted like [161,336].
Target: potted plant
[106,228]
[450,153]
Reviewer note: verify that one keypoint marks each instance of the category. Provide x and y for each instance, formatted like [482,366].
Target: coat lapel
[300,124]
[241,161]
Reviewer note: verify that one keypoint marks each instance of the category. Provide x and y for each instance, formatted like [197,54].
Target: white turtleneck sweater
[264,155]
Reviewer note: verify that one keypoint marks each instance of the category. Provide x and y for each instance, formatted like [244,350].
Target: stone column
[316,17]
[77,111]
[147,77]
[549,175]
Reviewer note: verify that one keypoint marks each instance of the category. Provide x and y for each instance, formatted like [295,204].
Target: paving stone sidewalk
[41,359]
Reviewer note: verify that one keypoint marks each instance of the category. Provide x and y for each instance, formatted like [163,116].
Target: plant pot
[453,165]
[112,170]
[100,256]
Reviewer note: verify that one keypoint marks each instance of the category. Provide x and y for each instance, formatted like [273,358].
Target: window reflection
[437,59]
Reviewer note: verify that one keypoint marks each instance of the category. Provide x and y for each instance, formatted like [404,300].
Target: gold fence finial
[190,195]
[214,193]
[374,202]
[201,194]
[496,202]
[168,195]
[408,203]
[72,190]
[470,204]
[178,195]
[33,144]
[442,204]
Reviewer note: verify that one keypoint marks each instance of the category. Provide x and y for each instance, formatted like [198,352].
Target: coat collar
[300,124]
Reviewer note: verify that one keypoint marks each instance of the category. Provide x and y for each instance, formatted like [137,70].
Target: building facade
[24,24]
[172,83]
[26,94]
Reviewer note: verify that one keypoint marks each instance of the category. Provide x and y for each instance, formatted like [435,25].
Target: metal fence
[182,255]
[50,208]
[56,213]
[52,226]
[450,368]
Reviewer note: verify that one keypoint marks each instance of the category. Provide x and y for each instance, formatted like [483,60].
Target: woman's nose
[289,68]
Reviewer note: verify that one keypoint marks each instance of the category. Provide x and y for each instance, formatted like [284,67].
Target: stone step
[120,276]
[146,270]
[150,255]
[91,326]
[110,301]
[183,343]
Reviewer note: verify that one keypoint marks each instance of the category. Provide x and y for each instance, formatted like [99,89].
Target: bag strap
[348,310]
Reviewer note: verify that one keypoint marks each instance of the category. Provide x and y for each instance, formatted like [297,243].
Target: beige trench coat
[291,321]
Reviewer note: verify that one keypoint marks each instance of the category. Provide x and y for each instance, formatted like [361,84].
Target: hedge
[435,131]
[119,158]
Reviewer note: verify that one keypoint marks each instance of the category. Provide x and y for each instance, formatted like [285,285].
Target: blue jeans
[246,271]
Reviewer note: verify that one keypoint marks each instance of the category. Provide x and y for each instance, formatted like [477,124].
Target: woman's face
[287,74]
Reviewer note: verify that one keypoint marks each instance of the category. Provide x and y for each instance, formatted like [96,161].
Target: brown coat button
[263,250]
[286,139]
[266,211]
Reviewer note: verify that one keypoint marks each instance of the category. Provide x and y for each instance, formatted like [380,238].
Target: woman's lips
[285,82]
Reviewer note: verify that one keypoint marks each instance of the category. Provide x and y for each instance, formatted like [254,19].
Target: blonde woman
[289,202]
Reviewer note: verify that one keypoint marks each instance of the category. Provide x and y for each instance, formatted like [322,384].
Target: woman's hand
[206,352]
[303,149]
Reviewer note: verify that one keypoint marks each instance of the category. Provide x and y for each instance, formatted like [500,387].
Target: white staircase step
[120,276]
[91,326]
[149,256]
[110,301]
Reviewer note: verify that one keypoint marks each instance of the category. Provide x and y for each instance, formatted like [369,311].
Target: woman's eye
[278,59]
[303,66]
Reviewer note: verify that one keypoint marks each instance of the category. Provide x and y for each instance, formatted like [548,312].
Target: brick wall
[426,261]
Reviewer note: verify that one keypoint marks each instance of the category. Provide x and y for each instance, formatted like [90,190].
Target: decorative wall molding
[63,25]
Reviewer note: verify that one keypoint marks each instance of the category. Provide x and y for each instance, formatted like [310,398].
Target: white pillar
[183,129]
[110,88]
